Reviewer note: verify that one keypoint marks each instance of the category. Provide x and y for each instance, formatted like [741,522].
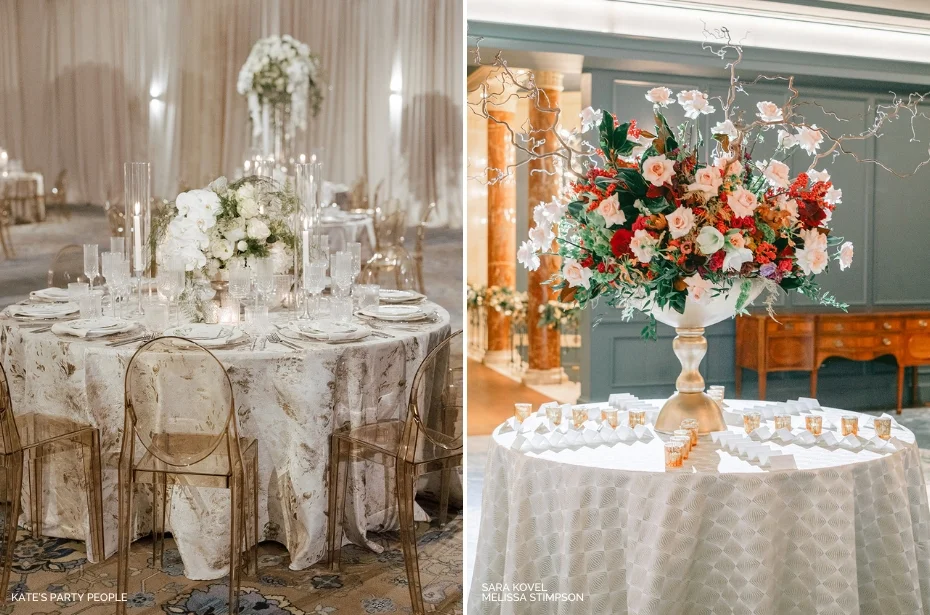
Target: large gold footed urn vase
[690,345]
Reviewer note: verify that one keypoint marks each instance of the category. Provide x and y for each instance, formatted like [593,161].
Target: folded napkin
[91,327]
[332,331]
[55,295]
[42,310]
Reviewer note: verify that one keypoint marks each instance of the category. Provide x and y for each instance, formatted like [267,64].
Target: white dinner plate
[93,327]
[387,295]
[57,295]
[329,330]
[44,310]
[207,335]
[395,312]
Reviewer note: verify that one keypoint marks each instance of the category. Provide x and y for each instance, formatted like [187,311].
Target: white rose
[590,118]
[680,222]
[812,260]
[643,245]
[257,229]
[709,240]
[698,288]
[809,139]
[725,128]
[846,255]
[769,111]
[694,103]
[742,202]
[660,96]
[777,174]
[248,208]
[834,196]
[706,180]
[575,274]
[609,209]
[733,261]
[814,240]
[658,169]
[818,176]
[236,232]
[555,210]
[242,246]
[222,250]
[786,140]
[542,237]
[527,256]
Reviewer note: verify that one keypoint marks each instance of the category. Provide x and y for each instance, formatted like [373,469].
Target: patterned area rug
[368,582]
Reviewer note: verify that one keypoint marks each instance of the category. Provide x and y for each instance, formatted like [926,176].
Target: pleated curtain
[88,85]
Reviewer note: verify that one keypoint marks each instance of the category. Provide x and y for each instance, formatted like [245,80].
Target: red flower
[765,253]
[640,223]
[654,192]
[633,132]
[716,261]
[811,213]
[601,267]
[784,265]
[620,242]
[588,262]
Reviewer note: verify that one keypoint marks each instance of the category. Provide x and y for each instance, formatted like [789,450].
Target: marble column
[545,353]
[502,232]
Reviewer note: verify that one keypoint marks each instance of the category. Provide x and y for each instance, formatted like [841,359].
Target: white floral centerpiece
[206,228]
[281,69]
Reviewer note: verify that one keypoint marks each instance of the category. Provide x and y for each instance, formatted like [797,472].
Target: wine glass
[240,281]
[91,263]
[314,283]
[106,268]
[171,281]
[354,248]
[341,270]
[122,279]
[264,279]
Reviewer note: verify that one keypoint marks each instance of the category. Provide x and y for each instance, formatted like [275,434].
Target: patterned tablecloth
[290,401]
[609,530]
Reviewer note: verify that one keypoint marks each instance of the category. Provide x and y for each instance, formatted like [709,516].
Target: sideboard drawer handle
[886,325]
[838,343]
[886,341]
[922,323]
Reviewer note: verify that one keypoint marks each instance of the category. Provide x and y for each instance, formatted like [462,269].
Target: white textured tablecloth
[289,401]
[845,533]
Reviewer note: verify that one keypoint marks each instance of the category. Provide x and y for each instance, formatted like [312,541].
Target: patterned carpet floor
[367,583]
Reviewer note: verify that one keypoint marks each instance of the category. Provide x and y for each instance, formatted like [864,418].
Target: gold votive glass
[692,426]
[673,456]
[814,424]
[609,416]
[637,417]
[849,424]
[751,421]
[684,435]
[579,416]
[685,443]
[783,421]
[883,428]
[554,414]
[521,412]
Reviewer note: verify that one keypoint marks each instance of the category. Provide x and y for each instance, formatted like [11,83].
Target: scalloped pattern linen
[290,401]
[848,532]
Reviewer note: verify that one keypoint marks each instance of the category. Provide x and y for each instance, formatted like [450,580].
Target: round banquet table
[344,227]
[608,529]
[290,401]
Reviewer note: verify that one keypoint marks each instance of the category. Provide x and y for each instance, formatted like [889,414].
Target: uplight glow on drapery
[86,86]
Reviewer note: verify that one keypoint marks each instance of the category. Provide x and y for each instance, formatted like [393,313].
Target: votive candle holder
[554,414]
[814,424]
[636,417]
[751,421]
[579,416]
[685,435]
[692,426]
[849,423]
[609,416]
[883,428]
[673,457]
[521,412]
[685,442]
[783,421]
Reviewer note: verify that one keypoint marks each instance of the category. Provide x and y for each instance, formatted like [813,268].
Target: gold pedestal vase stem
[690,402]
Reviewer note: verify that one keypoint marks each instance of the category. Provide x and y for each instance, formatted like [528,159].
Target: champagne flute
[91,263]
[240,281]
[354,248]
[314,283]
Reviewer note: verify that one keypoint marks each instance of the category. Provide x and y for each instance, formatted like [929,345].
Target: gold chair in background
[418,250]
[67,266]
[6,221]
[429,439]
[24,200]
[43,439]
[59,196]
[390,266]
[180,407]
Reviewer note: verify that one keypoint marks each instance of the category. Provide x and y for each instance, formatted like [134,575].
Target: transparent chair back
[67,267]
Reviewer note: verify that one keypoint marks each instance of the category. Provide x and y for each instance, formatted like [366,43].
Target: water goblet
[171,281]
[314,283]
[76,290]
[368,296]
[240,281]
[156,316]
[91,263]
[340,309]
[263,270]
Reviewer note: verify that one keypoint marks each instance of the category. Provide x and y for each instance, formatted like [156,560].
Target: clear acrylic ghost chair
[180,408]
[41,441]
[67,266]
[429,439]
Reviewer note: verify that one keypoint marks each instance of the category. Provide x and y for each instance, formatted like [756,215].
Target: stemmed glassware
[91,263]
[314,283]
[355,250]
[171,281]
[240,281]
[263,278]
[341,272]
[115,271]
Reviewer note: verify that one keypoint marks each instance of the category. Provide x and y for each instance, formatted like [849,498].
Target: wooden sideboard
[802,341]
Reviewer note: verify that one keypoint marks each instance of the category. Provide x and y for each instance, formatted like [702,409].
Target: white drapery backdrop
[86,86]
